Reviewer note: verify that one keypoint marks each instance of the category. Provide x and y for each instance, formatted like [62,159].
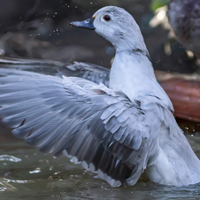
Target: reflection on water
[28,174]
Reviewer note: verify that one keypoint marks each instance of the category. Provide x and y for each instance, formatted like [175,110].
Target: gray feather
[92,72]
[91,122]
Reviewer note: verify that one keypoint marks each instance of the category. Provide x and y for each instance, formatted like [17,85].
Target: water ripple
[9,158]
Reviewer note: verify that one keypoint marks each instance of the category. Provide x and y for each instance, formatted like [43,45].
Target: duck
[118,131]
[184,18]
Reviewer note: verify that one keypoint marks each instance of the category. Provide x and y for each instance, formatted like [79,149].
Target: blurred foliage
[155,4]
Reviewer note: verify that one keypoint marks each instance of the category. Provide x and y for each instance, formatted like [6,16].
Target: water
[28,174]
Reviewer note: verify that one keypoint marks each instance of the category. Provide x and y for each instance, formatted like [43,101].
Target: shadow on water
[26,174]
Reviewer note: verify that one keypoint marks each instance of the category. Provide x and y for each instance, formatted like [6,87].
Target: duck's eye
[106,18]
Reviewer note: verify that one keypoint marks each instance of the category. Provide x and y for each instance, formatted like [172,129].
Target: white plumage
[118,131]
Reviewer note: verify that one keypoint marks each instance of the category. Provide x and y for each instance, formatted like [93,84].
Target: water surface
[27,174]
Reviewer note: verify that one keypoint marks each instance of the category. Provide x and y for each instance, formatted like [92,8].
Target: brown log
[184,92]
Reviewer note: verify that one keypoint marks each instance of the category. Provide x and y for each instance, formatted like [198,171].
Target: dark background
[40,29]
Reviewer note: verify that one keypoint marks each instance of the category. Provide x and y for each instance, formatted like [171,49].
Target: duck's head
[117,26]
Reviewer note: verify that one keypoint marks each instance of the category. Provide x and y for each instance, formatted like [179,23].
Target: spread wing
[89,71]
[90,123]
[92,72]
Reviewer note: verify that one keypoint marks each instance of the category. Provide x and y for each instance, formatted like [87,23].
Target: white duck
[118,131]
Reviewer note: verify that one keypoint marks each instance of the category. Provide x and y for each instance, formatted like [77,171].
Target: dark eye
[106,18]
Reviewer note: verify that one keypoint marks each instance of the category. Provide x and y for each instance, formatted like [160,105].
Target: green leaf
[155,4]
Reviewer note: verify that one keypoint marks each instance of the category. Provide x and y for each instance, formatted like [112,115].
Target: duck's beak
[88,24]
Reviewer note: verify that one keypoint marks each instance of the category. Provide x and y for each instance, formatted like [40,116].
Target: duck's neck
[132,73]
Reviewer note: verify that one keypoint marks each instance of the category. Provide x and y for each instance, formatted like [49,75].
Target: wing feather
[90,123]
[89,71]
